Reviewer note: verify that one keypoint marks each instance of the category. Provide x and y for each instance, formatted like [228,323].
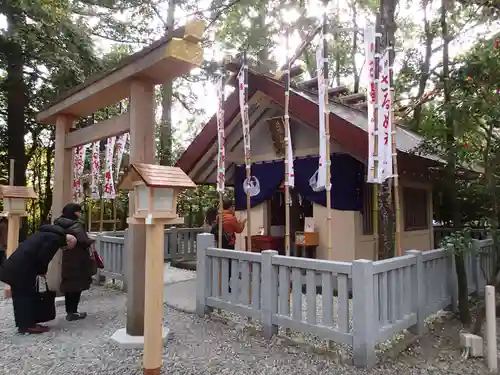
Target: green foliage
[458,243]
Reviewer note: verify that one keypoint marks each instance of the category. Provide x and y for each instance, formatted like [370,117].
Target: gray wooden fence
[362,303]
[179,244]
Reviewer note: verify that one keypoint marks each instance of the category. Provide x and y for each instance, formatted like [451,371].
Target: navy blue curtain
[266,179]
[347,176]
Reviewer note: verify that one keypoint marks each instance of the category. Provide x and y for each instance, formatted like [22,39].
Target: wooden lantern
[15,198]
[156,188]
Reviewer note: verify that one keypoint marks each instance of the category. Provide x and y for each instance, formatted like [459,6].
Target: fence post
[203,281]
[363,317]
[476,266]
[269,282]
[418,292]
[174,242]
[453,283]
[97,246]
[124,257]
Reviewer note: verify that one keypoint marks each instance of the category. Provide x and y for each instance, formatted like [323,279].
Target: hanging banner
[323,158]
[373,176]
[291,172]
[221,155]
[78,167]
[121,143]
[245,123]
[289,157]
[384,120]
[108,191]
[95,172]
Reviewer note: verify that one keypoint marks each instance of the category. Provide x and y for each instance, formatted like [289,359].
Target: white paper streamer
[221,155]
[323,157]
[109,186]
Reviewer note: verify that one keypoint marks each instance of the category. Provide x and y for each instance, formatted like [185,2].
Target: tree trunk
[336,41]
[463,294]
[48,187]
[16,99]
[354,50]
[166,136]
[387,11]
[491,182]
[424,67]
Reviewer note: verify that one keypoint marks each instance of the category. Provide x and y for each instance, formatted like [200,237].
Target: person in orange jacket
[230,225]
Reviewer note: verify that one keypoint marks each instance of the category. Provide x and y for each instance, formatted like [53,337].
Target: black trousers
[24,301]
[71,301]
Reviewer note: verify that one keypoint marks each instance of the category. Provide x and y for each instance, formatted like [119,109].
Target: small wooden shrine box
[307,238]
[156,188]
[14,199]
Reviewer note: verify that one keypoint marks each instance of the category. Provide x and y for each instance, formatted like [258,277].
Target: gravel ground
[196,346]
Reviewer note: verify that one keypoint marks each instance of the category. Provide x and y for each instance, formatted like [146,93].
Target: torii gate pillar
[142,150]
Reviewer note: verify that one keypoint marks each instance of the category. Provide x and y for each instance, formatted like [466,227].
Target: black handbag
[45,305]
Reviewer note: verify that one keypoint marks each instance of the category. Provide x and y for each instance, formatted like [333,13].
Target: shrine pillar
[63,164]
[142,150]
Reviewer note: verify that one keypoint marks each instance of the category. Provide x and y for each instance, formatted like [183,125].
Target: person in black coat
[77,266]
[21,269]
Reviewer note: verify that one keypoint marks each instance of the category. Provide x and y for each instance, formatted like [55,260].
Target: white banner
[291,171]
[95,172]
[108,191]
[384,119]
[323,157]
[373,176]
[78,166]
[243,86]
[221,155]
[121,143]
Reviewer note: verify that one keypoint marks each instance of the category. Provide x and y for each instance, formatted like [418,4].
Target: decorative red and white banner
[221,154]
[323,157]
[121,143]
[78,167]
[289,150]
[384,119]
[373,176]
[108,191]
[95,172]
[245,123]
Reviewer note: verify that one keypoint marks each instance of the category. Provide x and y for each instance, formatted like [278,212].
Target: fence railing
[359,303]
[179,243]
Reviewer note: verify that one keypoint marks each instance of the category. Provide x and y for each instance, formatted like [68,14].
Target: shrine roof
[348,122]
[26,192]
[155,176]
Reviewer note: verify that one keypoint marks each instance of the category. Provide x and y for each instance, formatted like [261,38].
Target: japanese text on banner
[121,143]
[108,191]
[95,172]
[384,120]
[244,117]
[78,166]
[221,155]
[323,157]
[373,176]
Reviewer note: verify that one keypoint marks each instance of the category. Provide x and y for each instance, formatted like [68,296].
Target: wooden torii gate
[134,78]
